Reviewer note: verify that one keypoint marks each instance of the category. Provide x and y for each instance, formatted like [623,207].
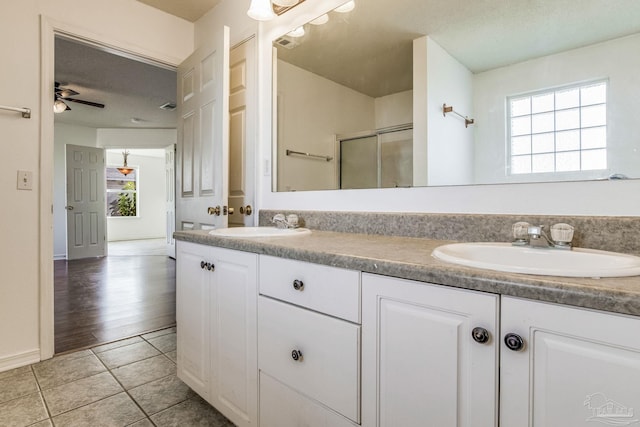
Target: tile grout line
[109,371]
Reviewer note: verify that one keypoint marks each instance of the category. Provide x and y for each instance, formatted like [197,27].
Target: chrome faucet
[525,234]
[280,221]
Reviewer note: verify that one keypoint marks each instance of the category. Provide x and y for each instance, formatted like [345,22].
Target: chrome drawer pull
[298,285]
[296,355]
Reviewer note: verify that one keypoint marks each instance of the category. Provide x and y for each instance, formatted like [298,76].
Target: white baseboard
[18,360]
[59,257]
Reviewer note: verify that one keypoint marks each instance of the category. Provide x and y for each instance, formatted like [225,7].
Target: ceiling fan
[63,95]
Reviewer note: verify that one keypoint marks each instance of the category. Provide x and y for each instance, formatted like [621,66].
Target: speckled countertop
[410,258]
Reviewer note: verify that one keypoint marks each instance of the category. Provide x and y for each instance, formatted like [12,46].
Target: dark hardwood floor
[98,300]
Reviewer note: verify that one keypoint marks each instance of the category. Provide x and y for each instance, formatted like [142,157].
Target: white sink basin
[577,262]
[259,232]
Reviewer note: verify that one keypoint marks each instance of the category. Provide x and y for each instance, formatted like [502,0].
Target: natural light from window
[560,130]
[122,193]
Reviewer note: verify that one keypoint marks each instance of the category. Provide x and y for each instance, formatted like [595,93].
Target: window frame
[554,90]
[136,192]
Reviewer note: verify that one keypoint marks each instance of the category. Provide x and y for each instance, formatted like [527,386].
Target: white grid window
[560,130]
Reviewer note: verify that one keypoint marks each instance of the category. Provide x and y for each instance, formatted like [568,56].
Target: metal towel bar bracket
[449,109]
[26,112]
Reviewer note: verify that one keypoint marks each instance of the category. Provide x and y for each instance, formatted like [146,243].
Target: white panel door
[170,202]
[576,367]
[203,136]
[242,125]
[86,210]
[420,365]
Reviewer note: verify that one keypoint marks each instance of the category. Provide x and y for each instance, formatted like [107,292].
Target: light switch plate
[25,180]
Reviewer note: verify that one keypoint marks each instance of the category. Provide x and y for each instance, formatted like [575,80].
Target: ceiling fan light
[59,106]
[347,7]
[285,3]
[261,10]
[320,20]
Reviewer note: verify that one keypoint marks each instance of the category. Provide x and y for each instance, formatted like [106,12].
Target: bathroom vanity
[339,329]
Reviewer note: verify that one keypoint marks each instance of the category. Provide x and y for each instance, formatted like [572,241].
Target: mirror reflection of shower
[382,158]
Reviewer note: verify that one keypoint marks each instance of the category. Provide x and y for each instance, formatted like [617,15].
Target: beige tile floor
[130,382]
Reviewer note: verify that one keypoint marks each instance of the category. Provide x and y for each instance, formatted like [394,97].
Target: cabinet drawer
[331,290]
[329,368]
[282,406]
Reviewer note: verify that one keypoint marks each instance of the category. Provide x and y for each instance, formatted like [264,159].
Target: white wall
[136,138]
[570,198]
[616,60]
[311,111]
[449,143]
[74,135]
[152,195]
[394,109]
[26,251]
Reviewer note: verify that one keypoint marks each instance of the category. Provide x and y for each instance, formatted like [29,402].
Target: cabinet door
[233,326]
[577,367]
[420,364]
[193,280]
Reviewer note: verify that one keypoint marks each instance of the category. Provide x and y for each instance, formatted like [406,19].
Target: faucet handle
[520,231]
[278,218]
[562,233]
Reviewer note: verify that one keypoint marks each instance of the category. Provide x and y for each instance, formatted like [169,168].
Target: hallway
[99,300]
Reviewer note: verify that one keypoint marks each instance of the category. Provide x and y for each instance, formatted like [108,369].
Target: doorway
[105,297]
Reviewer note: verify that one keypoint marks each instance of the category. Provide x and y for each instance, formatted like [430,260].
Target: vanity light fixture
[298,32]
[347,7]
[285,3]
[261,10]
[320,20]
[125,170]
[264,10]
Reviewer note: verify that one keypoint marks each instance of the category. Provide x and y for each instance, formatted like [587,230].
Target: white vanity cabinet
[568,366]
[421,366]
[308,344]
[216,291]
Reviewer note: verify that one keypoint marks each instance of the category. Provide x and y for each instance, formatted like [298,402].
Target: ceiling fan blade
[81,101]
[65,93]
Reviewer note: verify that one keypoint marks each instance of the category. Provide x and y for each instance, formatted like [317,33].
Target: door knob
[246,210]
[214,211]
[69,208]
[231,211]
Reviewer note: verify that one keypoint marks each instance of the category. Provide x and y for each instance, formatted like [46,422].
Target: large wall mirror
[404,93]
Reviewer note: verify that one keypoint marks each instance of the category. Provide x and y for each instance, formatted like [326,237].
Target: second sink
[578,262]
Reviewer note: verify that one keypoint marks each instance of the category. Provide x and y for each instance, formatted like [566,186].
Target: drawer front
[327,368]
[282,406]
[331,290]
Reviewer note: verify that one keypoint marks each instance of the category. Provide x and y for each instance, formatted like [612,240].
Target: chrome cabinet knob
[298,285]
[296,355]
[480,335]
[514,342]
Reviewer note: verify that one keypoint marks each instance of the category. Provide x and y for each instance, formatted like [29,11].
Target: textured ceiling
[129,89]
[370,48]
[191,10]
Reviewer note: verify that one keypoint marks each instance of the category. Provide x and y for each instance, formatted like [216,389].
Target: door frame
[49,29]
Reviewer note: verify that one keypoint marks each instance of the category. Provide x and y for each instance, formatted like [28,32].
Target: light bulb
[320,20]
[298,32]
[261,10]
[59,106]
[347,7]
